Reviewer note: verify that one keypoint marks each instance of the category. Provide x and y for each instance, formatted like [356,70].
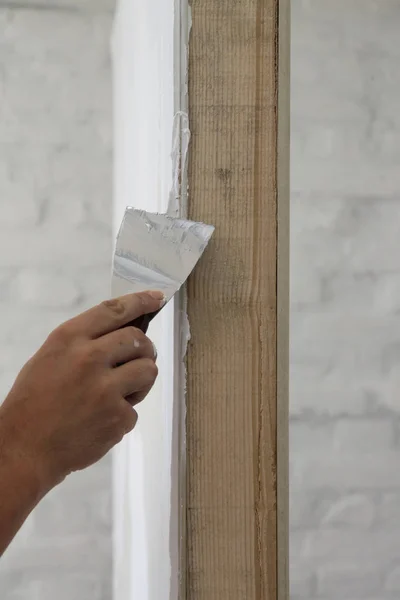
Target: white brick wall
[55,248]
[345,350]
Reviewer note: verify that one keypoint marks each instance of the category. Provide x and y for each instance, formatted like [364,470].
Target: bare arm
[21,487]
[72,402]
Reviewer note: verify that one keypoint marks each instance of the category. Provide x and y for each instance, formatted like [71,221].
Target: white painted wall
[143,54]
[345,326]
[55,248]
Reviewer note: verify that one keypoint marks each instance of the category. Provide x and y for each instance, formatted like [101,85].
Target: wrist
[28,468]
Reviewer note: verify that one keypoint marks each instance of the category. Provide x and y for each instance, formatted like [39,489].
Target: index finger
[114,314]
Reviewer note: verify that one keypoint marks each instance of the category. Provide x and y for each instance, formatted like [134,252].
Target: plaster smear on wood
[178,205]
[180,147]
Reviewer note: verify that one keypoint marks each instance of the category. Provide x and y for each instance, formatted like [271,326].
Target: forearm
[21,487]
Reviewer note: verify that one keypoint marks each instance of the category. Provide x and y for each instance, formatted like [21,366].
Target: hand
[73,401]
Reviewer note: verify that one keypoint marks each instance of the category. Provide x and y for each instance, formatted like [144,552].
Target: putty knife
[156,252]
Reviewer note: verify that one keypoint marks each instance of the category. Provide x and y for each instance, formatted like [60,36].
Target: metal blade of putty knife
[156,252]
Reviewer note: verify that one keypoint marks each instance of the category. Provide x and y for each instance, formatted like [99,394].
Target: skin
[72,402]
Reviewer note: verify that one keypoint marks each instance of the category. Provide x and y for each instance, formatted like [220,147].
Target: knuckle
[115,307]
[60,335]
[135,334]
[131,424]
[123,421]
[107,389]
[149,344]
[136,337]
[88,356]
[119,435]
[82,359]
[129,419]
[151,369]
[115,422]
[96,355]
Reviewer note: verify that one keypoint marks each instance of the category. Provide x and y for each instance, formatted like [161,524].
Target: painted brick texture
[55,245]
[55,249]
[345,349]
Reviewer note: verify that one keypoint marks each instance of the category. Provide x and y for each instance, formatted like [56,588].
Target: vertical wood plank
[237,359]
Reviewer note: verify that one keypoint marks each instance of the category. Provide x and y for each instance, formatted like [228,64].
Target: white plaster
[180,148]
[145,503]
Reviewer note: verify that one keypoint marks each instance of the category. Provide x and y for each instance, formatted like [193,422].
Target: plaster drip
[182,180]
[179,202]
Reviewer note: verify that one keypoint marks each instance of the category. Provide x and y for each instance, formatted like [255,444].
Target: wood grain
[238,176]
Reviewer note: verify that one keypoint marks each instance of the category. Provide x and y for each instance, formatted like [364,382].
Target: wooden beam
[237,362]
